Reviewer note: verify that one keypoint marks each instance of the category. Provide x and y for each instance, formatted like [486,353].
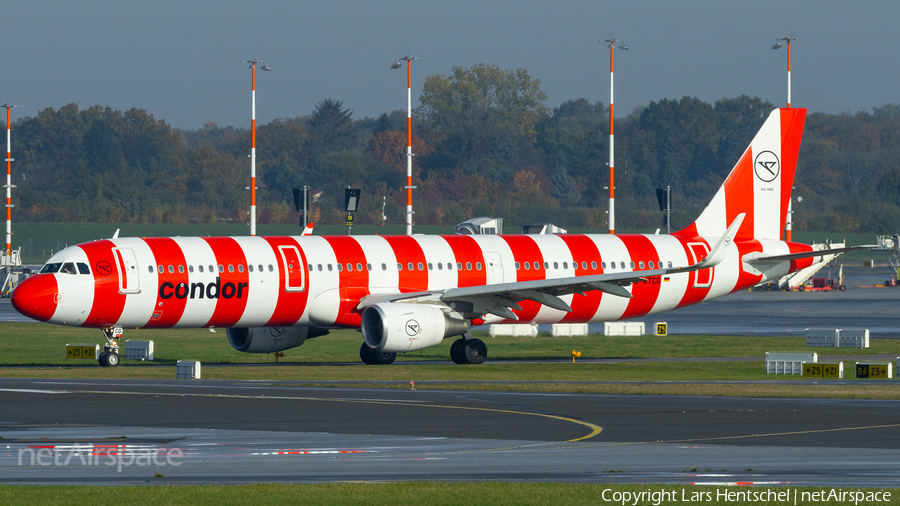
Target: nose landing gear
[110,355]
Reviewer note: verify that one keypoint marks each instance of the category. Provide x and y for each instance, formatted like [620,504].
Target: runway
[109,432]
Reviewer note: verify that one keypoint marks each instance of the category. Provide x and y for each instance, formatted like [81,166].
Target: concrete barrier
[569,329]
[623,328]
[514,329]
[187,369]
[821,338]
[139,350]
[853,338]
[788,363]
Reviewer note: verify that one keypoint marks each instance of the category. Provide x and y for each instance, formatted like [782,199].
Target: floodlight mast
[409,153]
[790,210]
[9,186]
[265,67]
[612,180]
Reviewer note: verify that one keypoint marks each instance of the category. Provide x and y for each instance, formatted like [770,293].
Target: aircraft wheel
[366,354]
[384,357]
[475,351]
[802,288]
[102,359]
[842,288]
[458,351]
[112,359]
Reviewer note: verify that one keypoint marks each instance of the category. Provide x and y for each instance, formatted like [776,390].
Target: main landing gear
[468,351]
[372,357]
[110,355]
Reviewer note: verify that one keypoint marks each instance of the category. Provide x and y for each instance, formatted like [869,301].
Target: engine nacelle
[266,339]
[398,327]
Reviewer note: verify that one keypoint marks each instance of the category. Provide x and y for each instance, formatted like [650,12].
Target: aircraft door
[703,277]
[494,268]
[294,274]
[126,264]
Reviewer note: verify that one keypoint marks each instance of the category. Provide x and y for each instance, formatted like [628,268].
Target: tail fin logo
[767,166]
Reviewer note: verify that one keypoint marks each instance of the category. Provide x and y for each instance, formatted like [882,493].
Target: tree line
[485,143]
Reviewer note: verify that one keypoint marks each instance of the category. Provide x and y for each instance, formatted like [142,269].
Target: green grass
[44,344]
[375,494]
[41,346]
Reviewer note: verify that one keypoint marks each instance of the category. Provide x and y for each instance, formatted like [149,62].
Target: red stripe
[792,121]
[122,269]
[408,250]
[645,295]
[525,249]
[290,305]
[583,249]
[229,309]
[467,251]
[35,297]
[693,295]
[354,285]
[167,311]
[108,302]
[800,263]
[747,279]
[739,195]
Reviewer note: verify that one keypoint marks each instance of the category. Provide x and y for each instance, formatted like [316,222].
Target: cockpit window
[50,268]
[68,268]
[83,268]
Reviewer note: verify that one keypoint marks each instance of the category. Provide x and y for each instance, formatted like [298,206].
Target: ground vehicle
[822,285]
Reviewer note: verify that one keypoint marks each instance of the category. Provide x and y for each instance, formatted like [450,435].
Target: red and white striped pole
[612,178]
[409,153]
[253,63]
[790,209]
[9,186]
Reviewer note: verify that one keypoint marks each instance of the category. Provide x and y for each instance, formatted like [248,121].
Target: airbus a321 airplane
[408,293]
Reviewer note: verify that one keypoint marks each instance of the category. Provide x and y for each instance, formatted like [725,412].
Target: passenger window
[517,265]
[349,267]
[340,267]
[221,268]
[459,266]
[399,267]
[631,264]
[240,267]
[200,268]
[449,266]
[319,267]
[478,265]
[527,266]
[651,264]
[180,269]
[329,267]
[622,265]
[368,267]
[566,265]
[410,266]
[594,265]
[584,265]
[468,266]
[211,269]
[190,268]
[171,269]
[150,267]
[384,267]
[272,269]
[250,267]
[440,266]
[546,265]
[429,266]
[230,268]
[161,269]
[83,268]
[641,264]
[260,267]
[420,266]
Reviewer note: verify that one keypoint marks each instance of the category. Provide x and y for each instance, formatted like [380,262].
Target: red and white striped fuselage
[319,281]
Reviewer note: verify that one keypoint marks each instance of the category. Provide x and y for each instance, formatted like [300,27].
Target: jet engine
[398,327]
[270,339]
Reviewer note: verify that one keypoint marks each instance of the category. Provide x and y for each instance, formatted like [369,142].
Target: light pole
[265,67]
[612,180]
[778,44]
[409,153]
[9,186]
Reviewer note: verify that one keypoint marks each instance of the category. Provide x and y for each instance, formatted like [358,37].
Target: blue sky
[179,60]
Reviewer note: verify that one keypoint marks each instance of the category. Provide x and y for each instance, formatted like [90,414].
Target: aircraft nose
[36,297]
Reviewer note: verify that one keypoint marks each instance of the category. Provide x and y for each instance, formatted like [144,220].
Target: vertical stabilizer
[759,185]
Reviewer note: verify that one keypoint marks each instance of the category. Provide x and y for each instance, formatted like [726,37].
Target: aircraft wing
[499,299]
[756,258]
